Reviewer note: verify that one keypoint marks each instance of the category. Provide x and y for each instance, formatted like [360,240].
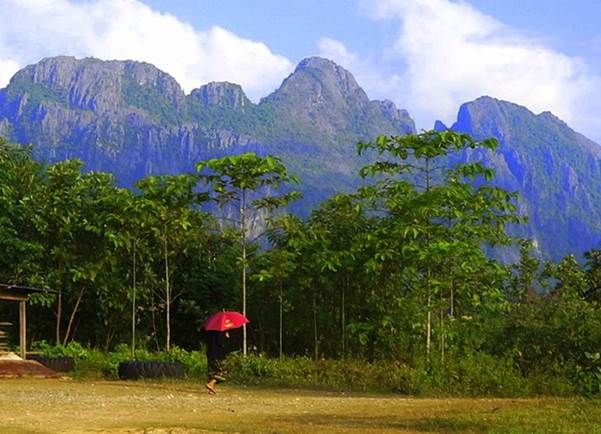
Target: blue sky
[569,25]
[427,56]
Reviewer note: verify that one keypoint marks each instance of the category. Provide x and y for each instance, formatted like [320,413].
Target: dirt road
[70,406]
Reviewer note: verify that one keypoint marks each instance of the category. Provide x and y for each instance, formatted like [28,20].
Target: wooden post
[22,330]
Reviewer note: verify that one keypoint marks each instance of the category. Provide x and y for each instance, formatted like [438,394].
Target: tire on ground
[57,364]
[132,370]
[128,371]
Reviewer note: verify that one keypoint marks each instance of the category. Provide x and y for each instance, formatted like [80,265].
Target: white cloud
[129,29]
[336,51]
[7,70]
[453,53]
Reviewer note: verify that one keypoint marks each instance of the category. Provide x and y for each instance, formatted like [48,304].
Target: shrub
[94,363]
[587,376]
[470,373]
[334,374]
[483,374]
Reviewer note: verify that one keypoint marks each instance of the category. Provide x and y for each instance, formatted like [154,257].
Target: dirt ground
[30,405]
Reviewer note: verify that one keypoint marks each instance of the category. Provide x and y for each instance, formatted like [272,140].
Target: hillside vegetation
[394,274]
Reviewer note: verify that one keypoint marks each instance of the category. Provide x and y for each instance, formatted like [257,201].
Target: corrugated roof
[25,289]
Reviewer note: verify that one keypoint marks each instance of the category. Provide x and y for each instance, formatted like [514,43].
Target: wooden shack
[20,294]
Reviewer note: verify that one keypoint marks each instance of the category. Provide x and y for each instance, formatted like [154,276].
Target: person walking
[216,331]
[216,352]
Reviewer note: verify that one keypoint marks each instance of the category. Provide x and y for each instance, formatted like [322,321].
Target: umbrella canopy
[222,321]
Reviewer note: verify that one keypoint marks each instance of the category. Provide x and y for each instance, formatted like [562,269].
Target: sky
[427,56]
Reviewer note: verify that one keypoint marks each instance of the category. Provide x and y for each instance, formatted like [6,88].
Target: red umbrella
[222,321]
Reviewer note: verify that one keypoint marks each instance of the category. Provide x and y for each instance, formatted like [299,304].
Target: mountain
[134,120]
[556,170]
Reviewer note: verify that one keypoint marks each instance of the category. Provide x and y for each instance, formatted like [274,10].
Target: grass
[74,406]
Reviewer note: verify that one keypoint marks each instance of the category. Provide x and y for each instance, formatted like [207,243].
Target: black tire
[57,364]
[178,370]
[128,371]
[132,370]
[153,369]
[141,368]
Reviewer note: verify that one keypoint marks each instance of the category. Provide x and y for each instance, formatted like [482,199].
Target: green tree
[274,268]
[437,215]
[592,267]
[569,276]
[20,178]
[526,274]
[246,182]
[167,202]
[73,223]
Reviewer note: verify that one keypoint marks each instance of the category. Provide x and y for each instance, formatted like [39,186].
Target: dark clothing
[215,344]
[216,353]
[216,370]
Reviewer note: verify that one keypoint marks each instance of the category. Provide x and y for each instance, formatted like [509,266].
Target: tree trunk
[429,275]
[107,340]
[429,326]
[167,295]
[343,317]
[133,304]
[59,314]
[72,317]
[315,338]
[281,320]
[452,300]
[243,243]
[154,324]
[442,331]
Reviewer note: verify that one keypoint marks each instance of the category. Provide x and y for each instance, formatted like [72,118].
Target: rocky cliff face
[115,116]
[324,99]
[221,94]
[556,171]
[134,120]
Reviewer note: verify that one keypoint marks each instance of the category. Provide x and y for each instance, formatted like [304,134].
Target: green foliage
[95,363]
[387,288]
[72,349]
[81,235]
[474,374]
[230,177]
[35,93]
[471,374]
[246,182]
[588,376]
[331,374]
[151,100]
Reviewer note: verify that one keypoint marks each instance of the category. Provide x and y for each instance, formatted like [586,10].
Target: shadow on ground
[380,423]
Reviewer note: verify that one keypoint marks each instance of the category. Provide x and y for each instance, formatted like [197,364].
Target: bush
[470,373]
[477,374]
[94,363]
[588,375]
[332,374]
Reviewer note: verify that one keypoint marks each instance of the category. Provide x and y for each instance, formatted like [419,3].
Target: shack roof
[18,292]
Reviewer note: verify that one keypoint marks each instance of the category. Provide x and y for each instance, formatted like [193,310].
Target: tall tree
[434,210]
[20,180]
[247,182]
[74,215]
[168,202]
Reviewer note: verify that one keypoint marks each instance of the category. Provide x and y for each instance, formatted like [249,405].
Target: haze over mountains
[134,120]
